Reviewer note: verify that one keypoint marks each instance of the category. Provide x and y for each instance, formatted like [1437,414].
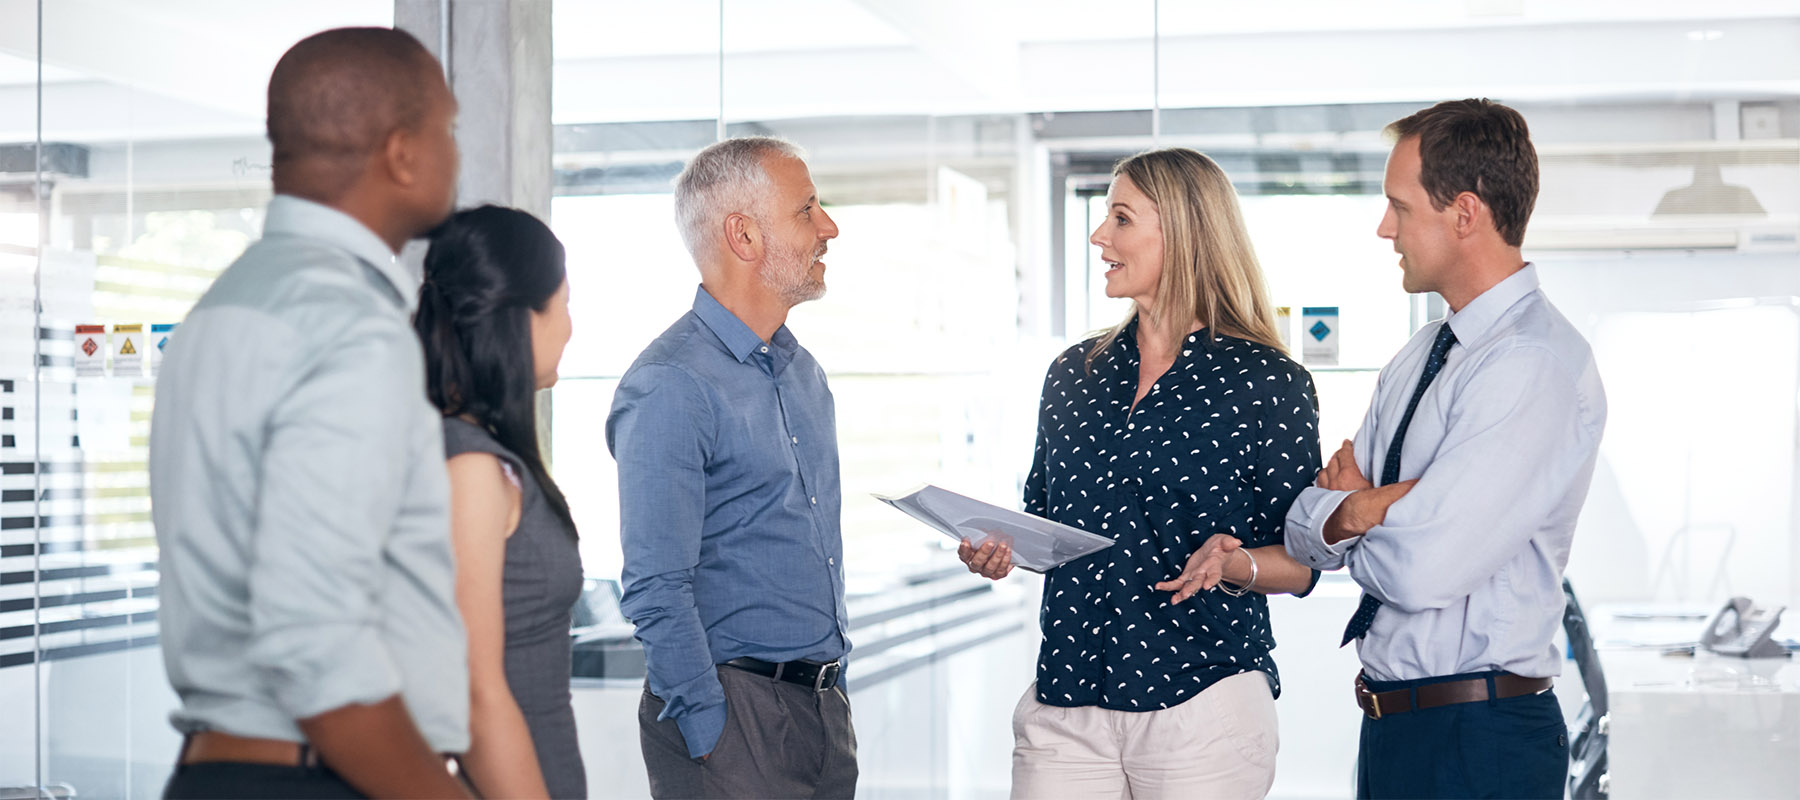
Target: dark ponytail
[487,269]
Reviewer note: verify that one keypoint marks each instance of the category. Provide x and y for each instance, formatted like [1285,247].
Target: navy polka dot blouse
[1223,443]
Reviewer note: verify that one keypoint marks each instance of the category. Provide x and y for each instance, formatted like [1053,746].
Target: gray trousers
[781,740]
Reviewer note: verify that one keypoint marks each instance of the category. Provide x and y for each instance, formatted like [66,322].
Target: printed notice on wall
[128,350]
[1319,336]
[90,351]
[159,340]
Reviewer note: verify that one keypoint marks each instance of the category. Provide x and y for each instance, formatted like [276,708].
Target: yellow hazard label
[128,350]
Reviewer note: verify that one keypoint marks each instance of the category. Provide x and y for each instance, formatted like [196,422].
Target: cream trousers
[1219,744]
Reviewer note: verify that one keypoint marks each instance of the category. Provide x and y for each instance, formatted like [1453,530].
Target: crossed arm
[1520,434]
[1367,504]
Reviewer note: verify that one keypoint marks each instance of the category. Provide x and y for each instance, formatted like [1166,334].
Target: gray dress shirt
[1468,565]
[300,496]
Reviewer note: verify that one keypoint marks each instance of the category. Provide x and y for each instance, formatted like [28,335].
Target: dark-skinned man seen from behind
[309,621]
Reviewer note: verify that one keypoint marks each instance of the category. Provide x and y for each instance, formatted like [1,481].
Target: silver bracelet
[1245,589]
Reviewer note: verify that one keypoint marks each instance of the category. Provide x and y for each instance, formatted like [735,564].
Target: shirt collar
[293,216]
[1128,338]
[737,337]
[1478,317]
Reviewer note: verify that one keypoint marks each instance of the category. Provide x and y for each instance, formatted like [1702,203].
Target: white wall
[1701,394]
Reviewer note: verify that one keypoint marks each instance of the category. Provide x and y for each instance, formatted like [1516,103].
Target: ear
[399,157]
[1471,215]
[744,238]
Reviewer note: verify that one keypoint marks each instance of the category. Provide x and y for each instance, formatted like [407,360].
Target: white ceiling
[158,69]
[586,29]
[155,69]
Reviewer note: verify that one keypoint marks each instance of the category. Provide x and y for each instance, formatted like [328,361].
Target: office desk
[1702,726]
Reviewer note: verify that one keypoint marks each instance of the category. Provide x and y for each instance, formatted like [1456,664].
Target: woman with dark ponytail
[494,318]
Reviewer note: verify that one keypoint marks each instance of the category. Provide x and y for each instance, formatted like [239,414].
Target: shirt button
[795,439]
[815,501]
[831,561]
[764,348]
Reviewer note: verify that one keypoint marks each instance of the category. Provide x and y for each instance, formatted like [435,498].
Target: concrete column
[498,56]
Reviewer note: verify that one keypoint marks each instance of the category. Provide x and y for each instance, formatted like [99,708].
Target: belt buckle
[1373,709]
[825,670]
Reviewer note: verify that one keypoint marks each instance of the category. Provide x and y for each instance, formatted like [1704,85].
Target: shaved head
[335,98]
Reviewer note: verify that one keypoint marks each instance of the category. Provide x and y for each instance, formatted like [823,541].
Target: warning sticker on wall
[90,351]
[1319,336]
[159,340]
[128,351]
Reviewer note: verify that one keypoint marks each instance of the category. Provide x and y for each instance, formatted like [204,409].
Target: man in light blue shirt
[309,621]
[726,439]
[1481,441]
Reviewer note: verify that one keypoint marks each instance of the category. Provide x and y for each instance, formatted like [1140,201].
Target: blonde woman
[1183,433]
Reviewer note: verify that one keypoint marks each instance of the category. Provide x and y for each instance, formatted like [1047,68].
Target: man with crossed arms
[1483,433]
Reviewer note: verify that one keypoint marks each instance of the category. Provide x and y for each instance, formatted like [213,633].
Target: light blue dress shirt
[728,509]
[300,496]
[1468,565]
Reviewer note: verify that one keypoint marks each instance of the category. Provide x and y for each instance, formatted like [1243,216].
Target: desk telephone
[1742,629]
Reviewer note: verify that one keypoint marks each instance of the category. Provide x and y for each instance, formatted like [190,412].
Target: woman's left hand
[1205,568]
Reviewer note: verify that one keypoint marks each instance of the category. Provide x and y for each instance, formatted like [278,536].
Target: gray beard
[787,273]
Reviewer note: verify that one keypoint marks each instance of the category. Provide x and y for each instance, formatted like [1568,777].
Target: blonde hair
[1210,272]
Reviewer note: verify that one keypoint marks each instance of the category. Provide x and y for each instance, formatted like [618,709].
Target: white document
[1037,543]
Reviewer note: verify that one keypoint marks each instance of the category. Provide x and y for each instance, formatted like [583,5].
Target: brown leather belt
[213,746]
[1377,705]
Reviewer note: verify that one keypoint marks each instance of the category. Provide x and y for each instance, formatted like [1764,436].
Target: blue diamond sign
[1319,331]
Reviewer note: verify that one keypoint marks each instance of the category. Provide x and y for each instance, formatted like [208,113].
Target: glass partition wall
[133,169]
[964,150]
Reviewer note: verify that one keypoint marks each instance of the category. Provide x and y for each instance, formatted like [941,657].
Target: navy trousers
[1512,748]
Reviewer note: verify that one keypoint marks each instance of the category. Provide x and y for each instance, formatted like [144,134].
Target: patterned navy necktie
[1390,470]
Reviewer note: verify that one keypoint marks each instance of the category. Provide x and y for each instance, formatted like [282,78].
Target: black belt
[817,677]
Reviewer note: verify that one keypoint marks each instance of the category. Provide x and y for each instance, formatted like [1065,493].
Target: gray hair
[725,178]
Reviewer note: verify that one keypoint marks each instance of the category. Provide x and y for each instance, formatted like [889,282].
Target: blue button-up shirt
[299,493]
[1468,565]
[728,509]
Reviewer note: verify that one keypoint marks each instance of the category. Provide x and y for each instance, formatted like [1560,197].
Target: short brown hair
[1477,146]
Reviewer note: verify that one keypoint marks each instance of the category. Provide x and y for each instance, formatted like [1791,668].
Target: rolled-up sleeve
[1306,529]
[1314,505]
[326,507]
[660,431]
[1287,457]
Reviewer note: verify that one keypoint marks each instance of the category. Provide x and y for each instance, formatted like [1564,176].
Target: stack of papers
[1037,543]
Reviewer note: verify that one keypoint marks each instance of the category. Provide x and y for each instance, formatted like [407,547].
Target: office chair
[1588,777]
